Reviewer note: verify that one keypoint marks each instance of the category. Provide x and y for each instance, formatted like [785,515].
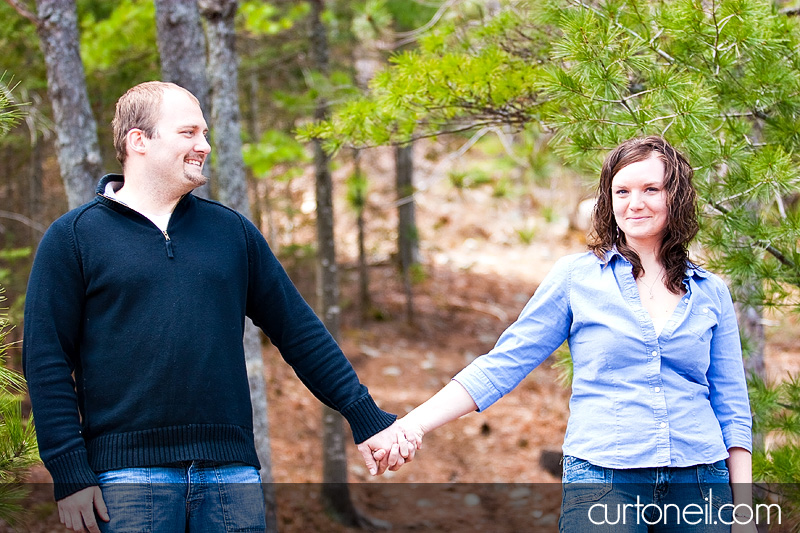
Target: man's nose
[202,146]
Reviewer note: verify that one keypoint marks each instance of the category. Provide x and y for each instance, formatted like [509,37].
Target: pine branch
[779,255]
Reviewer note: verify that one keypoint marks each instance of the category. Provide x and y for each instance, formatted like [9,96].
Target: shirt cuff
[479,386]
[71,472]
[366,418]
[738,437]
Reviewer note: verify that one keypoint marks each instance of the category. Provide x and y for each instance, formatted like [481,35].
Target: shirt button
[658,389]
[705,309]
[686,301]
[655,353]
[663,425]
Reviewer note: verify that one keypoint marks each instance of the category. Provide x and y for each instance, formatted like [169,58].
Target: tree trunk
[76,130]
[364,302]
[751,328]
[407,237]
[335,491]
[227,141]
[182,48]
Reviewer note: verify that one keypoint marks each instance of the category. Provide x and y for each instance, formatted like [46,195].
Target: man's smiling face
[179,148]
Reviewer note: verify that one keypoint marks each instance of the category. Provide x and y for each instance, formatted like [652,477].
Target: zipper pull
[170,254]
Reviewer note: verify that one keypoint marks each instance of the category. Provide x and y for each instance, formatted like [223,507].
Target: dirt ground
[490,471]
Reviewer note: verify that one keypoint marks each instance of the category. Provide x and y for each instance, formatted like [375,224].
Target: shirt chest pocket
[703,320]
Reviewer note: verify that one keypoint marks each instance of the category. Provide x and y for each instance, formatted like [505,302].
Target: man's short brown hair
[139,108]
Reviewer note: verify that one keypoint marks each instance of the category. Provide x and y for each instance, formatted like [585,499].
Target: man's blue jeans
[197,497]
[694,499]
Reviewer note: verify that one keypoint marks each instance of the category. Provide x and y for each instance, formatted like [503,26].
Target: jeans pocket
[584,482]
[714,481]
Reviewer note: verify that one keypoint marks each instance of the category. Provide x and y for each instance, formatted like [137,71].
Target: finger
[75,521]
[379,454]
[383,463]
[404,445]
[369,460]
[100,505]
[91,523]
[412,451]
[394,455]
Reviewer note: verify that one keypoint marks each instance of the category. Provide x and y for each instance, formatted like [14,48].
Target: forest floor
[490,471]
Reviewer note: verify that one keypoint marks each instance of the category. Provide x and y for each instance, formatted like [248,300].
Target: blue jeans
[693,499]
[197,497]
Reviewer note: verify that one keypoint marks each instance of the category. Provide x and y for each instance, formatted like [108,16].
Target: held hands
[76,511]
[391,448]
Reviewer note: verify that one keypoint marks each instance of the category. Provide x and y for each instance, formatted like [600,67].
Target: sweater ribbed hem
[71,472]
[366,418]
[224,443]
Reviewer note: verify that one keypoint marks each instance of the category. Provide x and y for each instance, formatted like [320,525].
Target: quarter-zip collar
[122,208]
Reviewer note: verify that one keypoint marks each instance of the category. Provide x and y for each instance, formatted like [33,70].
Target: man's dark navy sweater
[151,324]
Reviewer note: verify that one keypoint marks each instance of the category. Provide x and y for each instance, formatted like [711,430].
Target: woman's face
[639,201]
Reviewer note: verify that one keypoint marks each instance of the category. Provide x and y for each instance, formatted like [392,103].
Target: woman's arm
[452,402]
[740,470]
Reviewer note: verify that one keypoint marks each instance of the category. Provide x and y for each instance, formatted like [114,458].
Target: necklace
[652,285]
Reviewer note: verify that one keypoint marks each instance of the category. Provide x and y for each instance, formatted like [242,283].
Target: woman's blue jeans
[694,499]
[196,497]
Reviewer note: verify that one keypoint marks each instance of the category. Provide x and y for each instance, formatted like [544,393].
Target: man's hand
[388,449]
[76,511]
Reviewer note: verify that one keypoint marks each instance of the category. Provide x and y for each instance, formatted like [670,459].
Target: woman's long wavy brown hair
[681,207]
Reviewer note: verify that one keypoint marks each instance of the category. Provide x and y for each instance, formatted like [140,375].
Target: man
[141,295]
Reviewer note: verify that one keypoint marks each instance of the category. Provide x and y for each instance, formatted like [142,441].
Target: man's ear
[136,141]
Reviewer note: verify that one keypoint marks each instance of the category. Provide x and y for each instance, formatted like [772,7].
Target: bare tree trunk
[751,328]
[407,236]
[335,491]
[76,130]
[225,117]
[360,201]
[366,61]
[182,48]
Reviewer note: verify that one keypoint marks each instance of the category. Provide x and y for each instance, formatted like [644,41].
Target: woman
[659,399]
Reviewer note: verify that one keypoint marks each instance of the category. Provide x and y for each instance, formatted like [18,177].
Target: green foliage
[563,363]
[123,37]
[469,179]
[776,413]
[527,233]
[18,450]
[276,149]
[357,190]
[372,19]
[118,49]
[719,80]
[10,112]
[262,18]
[417,273]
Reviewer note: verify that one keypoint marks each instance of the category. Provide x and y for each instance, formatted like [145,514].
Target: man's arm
[53,314]
[275,305]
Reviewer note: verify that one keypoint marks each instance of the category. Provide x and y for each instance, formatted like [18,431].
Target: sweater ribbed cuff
[71,473]
[366,418]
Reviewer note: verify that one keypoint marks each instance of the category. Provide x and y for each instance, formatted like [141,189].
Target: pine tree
[18,450]
[719,79]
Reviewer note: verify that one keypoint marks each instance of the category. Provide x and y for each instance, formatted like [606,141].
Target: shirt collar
[691,268]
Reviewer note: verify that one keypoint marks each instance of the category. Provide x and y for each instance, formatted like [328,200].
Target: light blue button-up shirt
[638,399]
